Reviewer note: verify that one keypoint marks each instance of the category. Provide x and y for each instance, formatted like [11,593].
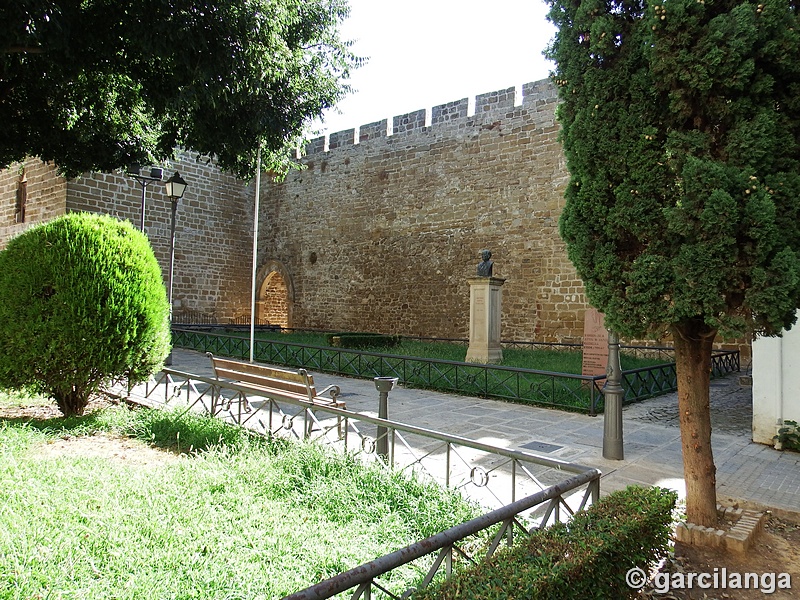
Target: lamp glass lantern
[176,186]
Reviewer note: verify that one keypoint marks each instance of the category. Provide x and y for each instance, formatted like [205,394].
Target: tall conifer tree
[681,128]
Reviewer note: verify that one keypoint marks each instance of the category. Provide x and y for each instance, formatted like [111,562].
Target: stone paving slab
[753,474]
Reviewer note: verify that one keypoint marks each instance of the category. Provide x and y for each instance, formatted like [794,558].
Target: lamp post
[156,173]
[176,186]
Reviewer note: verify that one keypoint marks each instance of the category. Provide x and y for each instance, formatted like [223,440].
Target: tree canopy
[681,125]
[681,129]
[101,84]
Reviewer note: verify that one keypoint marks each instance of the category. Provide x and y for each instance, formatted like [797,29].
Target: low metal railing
[647,382]
[527,491]
[446,546]
[490,474]
[565,391]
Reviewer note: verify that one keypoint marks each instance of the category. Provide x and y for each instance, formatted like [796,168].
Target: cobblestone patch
[731,407]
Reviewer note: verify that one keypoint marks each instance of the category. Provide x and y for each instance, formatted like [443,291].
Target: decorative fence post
[384,385]
[613,393]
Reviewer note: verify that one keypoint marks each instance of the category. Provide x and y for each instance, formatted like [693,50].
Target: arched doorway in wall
[275,298]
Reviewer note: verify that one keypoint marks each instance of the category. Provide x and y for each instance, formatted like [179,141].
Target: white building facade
[776,383]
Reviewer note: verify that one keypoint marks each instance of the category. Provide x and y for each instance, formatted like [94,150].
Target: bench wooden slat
[319,400]
[297,384]
[267,382]
[260,370]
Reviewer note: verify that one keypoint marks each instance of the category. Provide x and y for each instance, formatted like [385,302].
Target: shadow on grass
[82,424]
[183,432]
[177,431]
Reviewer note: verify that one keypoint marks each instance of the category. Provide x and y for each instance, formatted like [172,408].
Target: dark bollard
[384,385]
[613,393]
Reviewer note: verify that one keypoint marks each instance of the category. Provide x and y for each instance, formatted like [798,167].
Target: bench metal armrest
[333,390]
[213,365]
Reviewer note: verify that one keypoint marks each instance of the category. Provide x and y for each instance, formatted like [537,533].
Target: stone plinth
[595,344]
[485,307]
[748,524]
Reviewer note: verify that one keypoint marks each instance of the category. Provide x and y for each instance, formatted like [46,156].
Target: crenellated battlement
[383,227]
[534,94]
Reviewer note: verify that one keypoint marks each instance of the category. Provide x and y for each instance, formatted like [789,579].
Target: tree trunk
[693,344]
[71,403]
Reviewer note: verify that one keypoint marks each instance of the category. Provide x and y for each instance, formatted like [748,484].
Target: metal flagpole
[255,255]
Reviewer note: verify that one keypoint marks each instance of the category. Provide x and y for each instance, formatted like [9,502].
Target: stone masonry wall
[46,196]
[380,235]
[213,234]
[275,310]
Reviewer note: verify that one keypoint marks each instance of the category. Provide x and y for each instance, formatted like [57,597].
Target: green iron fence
[567,391]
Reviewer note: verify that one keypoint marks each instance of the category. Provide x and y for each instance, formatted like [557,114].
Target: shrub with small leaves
[788,437]
[588,557]
[82,301]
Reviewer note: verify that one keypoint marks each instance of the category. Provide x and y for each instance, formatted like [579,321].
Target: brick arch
[275,298]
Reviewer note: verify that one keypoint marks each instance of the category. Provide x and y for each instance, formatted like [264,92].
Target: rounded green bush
[82,302]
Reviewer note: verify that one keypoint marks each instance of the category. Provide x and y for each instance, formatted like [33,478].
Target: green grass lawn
[225,514]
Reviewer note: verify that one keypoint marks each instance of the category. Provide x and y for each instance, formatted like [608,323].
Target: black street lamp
[156,173]
[176,186]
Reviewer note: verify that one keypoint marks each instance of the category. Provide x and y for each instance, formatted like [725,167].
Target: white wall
[776,383]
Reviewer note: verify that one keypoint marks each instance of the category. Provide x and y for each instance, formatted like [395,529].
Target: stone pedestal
[595,344]
[485,305]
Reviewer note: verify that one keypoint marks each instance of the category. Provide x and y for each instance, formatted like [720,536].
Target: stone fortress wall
[381,231]
[378,233]
[30,192]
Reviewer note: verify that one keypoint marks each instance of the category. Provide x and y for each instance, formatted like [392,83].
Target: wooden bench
[297,385]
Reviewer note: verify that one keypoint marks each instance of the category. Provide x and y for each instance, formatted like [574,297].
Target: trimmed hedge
[362,340]
[587,557]
[82,302]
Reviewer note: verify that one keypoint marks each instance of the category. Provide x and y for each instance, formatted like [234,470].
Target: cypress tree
[681,128]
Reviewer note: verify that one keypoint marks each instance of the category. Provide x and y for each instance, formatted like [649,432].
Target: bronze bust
[485,267]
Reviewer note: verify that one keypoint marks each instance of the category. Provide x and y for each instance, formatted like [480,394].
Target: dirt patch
[44,410]
[776,550]
[110,446]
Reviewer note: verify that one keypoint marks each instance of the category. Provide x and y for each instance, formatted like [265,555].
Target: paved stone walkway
[751,474]
[731,409]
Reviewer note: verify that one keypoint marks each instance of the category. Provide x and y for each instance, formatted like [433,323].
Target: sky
[428,52]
